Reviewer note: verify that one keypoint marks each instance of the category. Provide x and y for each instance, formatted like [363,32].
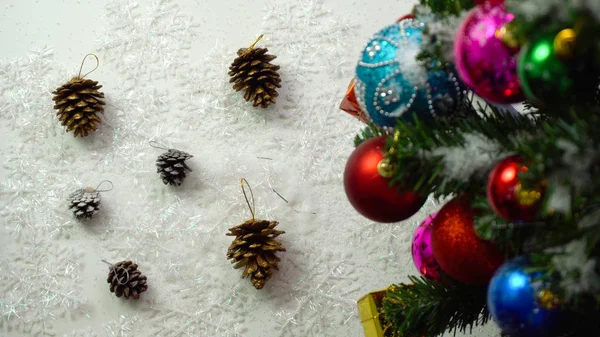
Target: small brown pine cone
[254,248]
[253,72]
[77,103]
[126,280]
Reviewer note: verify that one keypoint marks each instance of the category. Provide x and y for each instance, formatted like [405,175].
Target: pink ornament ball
[485,63]
[422,253]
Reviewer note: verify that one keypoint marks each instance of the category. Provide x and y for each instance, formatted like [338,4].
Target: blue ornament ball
[513,301]
[391,85]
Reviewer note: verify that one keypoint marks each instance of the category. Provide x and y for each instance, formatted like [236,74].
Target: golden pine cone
[77,103]
[253,72]
[254,247]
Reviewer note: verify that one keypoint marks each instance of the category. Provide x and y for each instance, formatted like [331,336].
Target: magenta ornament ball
[483,61]
[422,252]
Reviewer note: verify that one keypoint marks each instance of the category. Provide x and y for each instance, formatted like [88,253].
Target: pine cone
[84,203]
[252,72]
[126,279]
[77,103]
[254,247]
[171,166]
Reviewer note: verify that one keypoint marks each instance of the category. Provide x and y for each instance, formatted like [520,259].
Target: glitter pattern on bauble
[391,85]
[422,252]
[462,255]
[514,303]
[484,63]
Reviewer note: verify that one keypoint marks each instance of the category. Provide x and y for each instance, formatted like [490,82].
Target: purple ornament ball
[483,61]
[422,252]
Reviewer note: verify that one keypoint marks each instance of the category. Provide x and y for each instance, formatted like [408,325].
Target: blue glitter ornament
[391,84]
[514,302]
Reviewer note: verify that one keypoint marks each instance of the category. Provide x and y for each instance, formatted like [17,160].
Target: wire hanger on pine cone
[157,146]
[112,186]
[253,207]
[83,62]
[114,268]
[255,42]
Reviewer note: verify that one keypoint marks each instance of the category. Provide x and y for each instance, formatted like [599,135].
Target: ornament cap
[89,189]
[564,44]
[385,168]
[507,36]
[527,197]
[547,299]
[371,194]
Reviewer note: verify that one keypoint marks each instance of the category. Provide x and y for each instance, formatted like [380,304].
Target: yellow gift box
[368,308]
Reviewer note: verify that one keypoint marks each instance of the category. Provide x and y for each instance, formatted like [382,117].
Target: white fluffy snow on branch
[475,157]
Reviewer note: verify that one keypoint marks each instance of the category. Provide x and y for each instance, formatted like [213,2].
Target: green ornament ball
[548,80]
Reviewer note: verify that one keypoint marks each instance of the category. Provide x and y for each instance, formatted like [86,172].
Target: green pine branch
[448,7]
[508,236]
[561,151]
[371,131]
[421,170]
[431,307]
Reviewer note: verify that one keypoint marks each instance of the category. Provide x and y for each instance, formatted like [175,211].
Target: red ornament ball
[370,193]
[507,196]
[458,250]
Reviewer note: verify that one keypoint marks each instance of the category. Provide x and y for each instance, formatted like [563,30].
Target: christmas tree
[517,240]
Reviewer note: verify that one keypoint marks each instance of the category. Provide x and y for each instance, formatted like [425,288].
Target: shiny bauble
[370,193]
[548,79]
[485,63]
[422,252]
[391,85]
[520,304]
[458,250]
[507,196]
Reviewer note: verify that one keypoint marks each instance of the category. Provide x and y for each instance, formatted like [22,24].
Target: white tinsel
[578,162]
[476,156]
[410,68]
[589,220]
[560,198]
[444,31]
[574,261]
[424,13]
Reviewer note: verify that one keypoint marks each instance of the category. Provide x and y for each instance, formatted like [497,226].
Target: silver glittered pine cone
[171,166]
[84,203]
